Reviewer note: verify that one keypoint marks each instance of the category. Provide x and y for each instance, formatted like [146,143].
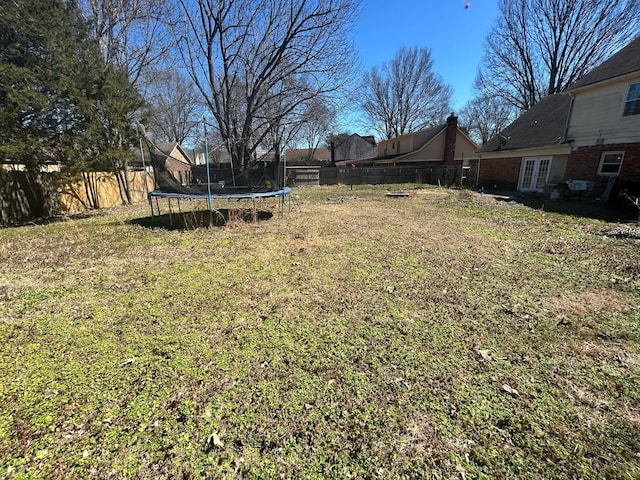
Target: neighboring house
[354,149]
[303,156]
[303,165]
[177,161]
[217,158]
[175,151]
[589,133]
[198,156]
[443,145]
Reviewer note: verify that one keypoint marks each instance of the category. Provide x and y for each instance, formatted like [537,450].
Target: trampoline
[177,180]
[231,194]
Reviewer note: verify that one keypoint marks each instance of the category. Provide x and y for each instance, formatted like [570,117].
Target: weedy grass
[440,335]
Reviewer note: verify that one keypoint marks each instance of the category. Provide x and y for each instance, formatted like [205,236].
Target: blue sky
[454,34]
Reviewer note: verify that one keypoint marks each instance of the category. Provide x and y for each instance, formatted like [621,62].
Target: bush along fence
[438,175]
[26,195]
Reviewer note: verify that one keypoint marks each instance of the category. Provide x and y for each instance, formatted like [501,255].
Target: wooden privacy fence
[439,175]
[26,196]
[303,176]
[103,190]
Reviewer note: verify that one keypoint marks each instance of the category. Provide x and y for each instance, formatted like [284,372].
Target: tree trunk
[123,185]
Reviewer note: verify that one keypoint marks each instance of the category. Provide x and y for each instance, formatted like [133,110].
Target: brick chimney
[450,140]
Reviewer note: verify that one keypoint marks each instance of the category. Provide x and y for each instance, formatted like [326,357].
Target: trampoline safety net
[179,176]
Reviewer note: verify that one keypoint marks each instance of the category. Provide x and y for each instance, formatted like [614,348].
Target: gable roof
[425,137]
[168,148]
[626,61]
[354,137]
[355,149]
[441,130]
[302,154]
[542,125]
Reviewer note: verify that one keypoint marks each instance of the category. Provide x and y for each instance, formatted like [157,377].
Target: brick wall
[582,165]
[584,161]
[501,173]
[450,140]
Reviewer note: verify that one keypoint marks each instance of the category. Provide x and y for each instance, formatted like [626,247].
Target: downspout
[566,131]
[566,124]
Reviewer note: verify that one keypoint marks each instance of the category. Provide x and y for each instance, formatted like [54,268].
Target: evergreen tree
[59,101]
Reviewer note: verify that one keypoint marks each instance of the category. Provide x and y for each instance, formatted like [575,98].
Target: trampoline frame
[282,194]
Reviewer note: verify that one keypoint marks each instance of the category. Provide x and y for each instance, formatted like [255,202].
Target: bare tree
[335,138]
[176,107]
[316,122]
[257,63]
[405,95]
[132,34]
[485,117]
[539,47]
[278,128]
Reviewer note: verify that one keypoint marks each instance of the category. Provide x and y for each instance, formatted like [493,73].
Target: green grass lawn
[442,335]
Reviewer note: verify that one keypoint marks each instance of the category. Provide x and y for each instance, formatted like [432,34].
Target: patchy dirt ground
[444,334]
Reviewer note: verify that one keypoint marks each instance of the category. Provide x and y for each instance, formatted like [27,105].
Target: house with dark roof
[354,149]
[307,156]
[219,158]
[590,134]
[442,145]
[604,125]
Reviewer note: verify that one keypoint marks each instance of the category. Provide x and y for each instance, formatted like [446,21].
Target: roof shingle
[542,125]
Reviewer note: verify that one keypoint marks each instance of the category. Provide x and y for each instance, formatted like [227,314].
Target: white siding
[597,117]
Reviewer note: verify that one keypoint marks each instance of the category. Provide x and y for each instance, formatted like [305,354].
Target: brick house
[442,145]
[175,160]
[590,132]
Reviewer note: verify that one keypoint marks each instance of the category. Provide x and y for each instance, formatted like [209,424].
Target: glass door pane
[527,175]
[543,172]
[534,173]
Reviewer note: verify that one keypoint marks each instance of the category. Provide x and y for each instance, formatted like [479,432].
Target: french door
[534,173]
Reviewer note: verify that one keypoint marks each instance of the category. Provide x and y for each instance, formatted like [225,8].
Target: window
[632,104]
[610,163]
